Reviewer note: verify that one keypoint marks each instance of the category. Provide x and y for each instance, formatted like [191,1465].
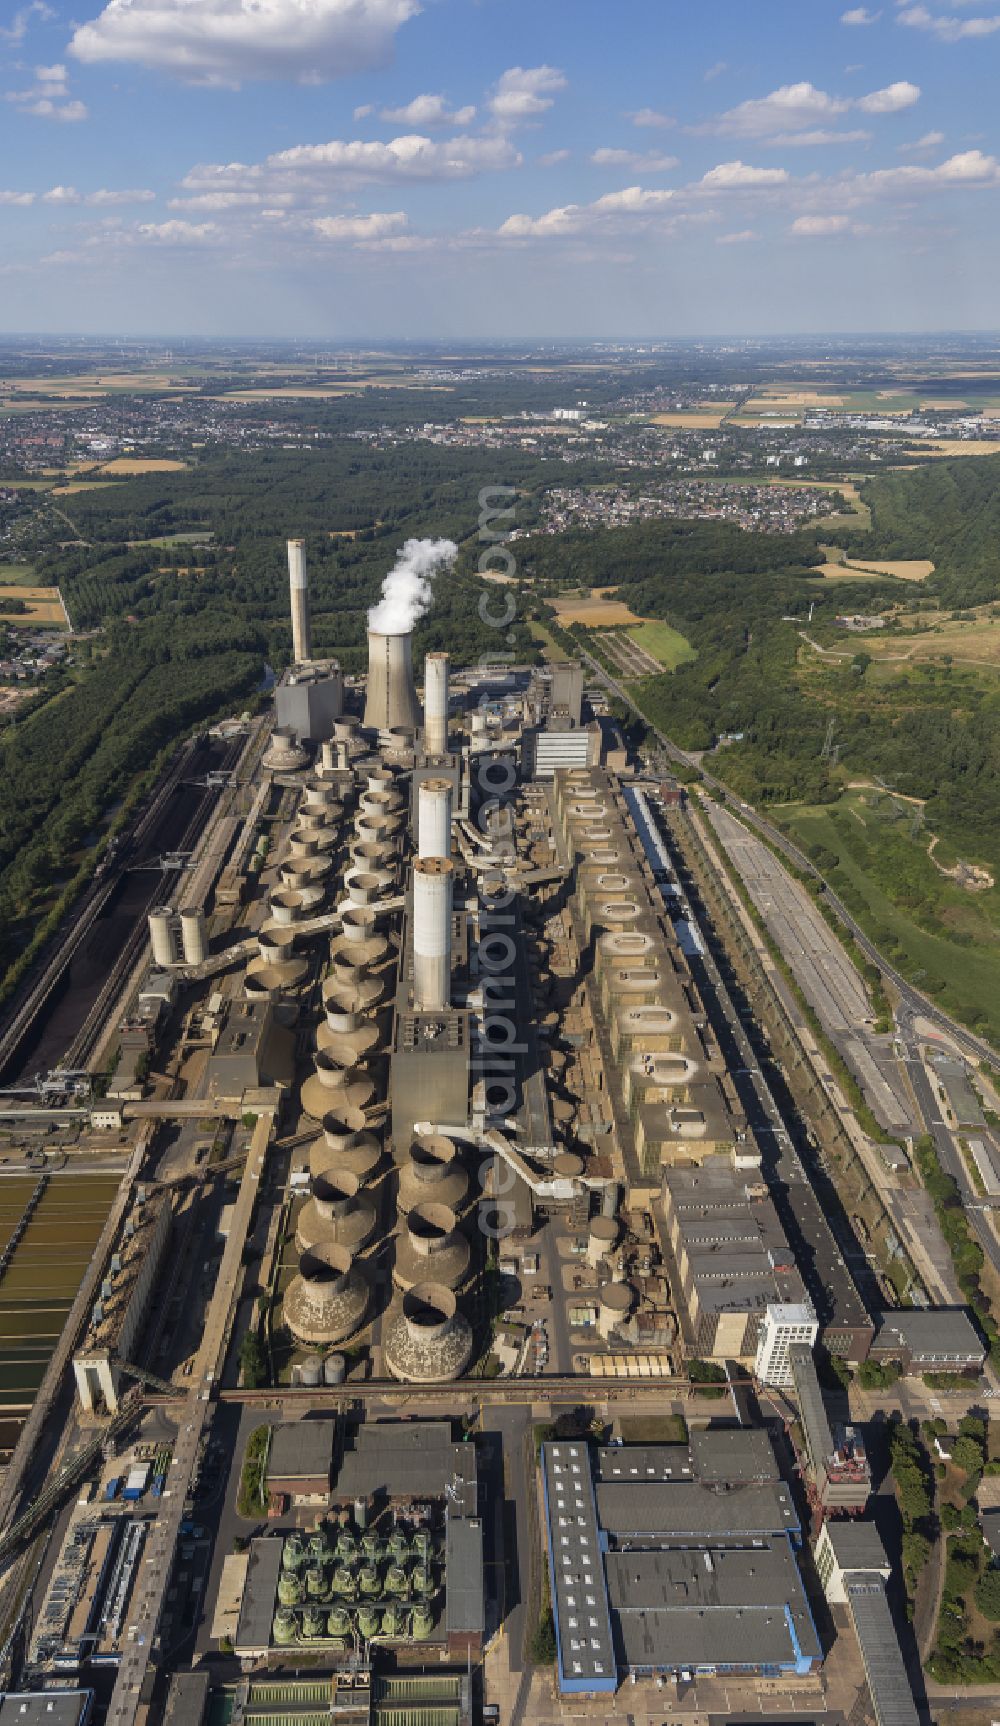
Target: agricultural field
[594,611]
[839,567]
[666,645]
[880,842]
[42,604]
[127,465]
[963,447]
[78,485]
[904,569]
[696,419]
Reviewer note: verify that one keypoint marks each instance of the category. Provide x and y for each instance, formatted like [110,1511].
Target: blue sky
[471,168]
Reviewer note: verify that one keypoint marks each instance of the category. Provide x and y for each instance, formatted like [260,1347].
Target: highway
[977,1048]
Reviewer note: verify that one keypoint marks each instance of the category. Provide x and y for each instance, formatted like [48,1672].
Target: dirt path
[827,652]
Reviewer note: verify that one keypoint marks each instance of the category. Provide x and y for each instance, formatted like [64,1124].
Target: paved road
[977,1048]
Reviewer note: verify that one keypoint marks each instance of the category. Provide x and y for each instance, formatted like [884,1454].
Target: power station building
[122,1307]
[665,1572]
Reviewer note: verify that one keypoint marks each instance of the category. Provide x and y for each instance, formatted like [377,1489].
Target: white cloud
[949,28]
[568,219]
[524,92]
[651,117]
[409,157]
[228,41]
[892,100]
[819,226]
[738,176]
[105,196]
[177,233]
[17,29]
[929,141]
[61,195]
[801,107]
[819,136]
[789,108]
[649,162]
[48,97]
[860,15]
[377,226]
[221,201]
[427,111]
[552,158]
[742,238]
[968,168]
[17,200]
[716,71]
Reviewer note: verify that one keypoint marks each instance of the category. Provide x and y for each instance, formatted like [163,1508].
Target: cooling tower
[436,704]
[298,584]
[392,696]
[432,933]
[434,818]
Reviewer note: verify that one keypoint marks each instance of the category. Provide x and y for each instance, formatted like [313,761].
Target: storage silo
[163,936]
[194,936]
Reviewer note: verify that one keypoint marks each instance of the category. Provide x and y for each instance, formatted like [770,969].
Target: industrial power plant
[445,1129]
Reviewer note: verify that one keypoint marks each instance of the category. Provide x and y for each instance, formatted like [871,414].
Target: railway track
[67,942]
[82,1047]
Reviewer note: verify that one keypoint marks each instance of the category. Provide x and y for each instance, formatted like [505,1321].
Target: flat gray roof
[408,1459]
[187,1699]
[302,1450]
[465,1600]
[729,1607]
[812,1408]
[931,1331]
[54,1707]
[643,1462]
[257,1608]
[579,1594]
[733,1455]
[891,1695]
[687,1509]
[856,1545]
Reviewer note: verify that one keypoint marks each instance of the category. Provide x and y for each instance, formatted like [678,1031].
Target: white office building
[784,1324]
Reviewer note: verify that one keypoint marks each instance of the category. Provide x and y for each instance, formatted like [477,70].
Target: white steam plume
[406,590]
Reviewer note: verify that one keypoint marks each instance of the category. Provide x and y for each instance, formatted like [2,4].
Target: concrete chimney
[432,933]
[434,818]
[298,583]
[392,696]
[436,704]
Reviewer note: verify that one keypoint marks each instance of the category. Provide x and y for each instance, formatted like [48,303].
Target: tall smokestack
[434,818]
[436,704]
[392,696]
[406,594]
[432,933]
[298,583]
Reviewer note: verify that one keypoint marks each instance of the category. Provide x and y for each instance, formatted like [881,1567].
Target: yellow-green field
[667,645]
